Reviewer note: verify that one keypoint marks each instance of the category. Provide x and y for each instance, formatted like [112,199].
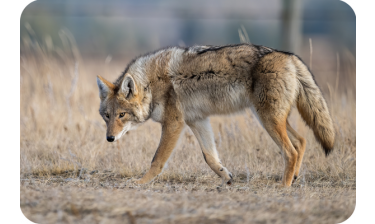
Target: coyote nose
[110,138]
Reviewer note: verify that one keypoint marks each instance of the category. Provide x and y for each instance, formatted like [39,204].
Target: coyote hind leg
[299,144]
[277,129]
[203,132]
[272,93]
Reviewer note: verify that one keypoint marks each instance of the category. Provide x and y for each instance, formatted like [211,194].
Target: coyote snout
[116,129]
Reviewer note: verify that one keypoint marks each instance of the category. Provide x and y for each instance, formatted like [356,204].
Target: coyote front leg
[203,132]
[171,131]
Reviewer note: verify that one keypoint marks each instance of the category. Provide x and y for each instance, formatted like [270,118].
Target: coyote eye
[122,115]
[106,115]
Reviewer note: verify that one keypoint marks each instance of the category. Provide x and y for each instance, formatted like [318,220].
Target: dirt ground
[110,198]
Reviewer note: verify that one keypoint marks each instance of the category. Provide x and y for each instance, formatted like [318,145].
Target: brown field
[70,174]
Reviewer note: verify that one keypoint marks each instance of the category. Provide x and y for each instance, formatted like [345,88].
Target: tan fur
[172,127]
[313,108]
[299,143]
[184,86]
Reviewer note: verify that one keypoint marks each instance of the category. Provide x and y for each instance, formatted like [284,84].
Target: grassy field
[69,173]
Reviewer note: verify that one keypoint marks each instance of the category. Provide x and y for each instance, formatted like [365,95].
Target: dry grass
[70,173]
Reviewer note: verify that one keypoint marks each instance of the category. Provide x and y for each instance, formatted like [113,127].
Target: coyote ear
[105,87]
[128,87]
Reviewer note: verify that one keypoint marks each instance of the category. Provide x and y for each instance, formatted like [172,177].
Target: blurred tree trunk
[292,25]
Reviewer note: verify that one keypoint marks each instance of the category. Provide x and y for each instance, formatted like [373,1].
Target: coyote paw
[282,185]
[226,175]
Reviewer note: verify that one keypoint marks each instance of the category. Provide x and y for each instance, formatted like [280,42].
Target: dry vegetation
[69,173]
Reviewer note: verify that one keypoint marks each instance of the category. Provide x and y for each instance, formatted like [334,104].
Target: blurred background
[123,27]
[121,30]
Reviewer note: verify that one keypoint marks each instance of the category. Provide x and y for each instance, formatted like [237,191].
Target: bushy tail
[313,108]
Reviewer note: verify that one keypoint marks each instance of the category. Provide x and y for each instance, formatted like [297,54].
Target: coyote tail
[313,108]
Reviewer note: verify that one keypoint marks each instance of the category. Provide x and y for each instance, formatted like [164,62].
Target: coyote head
[123,106]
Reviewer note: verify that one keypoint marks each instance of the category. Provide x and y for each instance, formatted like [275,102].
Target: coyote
[180,87]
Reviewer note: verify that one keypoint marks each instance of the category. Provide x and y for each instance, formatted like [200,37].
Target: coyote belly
[181,87]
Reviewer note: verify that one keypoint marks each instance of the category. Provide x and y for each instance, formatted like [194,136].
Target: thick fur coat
[181,87]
